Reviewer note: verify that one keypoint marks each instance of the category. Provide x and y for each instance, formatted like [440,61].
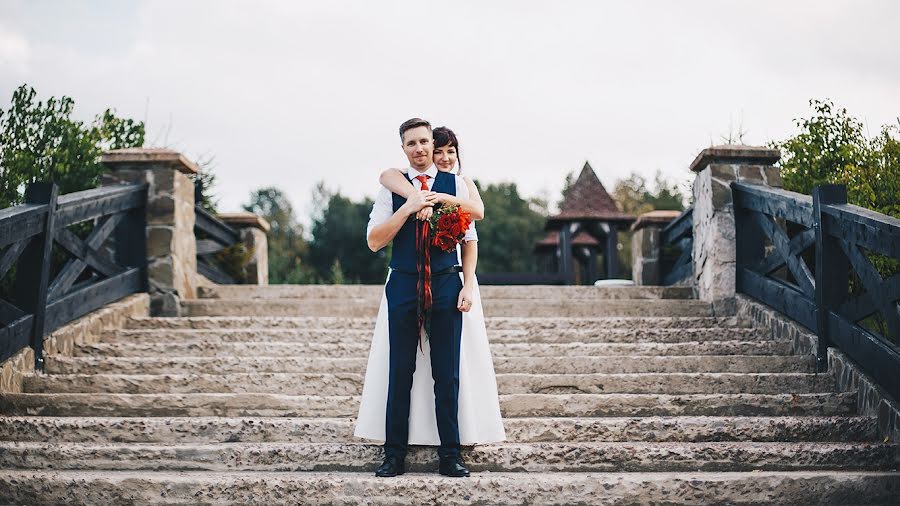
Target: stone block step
[492,307]
[497,323]
[535,365]
[134,348]
[357,337]
[507,383]
[512,406]
[576,489]
[178,430]
[506,457]
[374,292]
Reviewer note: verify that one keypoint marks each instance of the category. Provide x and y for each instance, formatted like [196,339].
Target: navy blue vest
[403,253]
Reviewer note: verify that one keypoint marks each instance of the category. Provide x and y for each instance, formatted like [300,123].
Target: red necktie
[423,267]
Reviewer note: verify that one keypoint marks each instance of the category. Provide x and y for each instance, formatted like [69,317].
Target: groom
[393,220]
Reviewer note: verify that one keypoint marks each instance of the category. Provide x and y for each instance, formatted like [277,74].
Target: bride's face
[445,158]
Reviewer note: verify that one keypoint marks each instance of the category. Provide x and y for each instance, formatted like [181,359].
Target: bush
[39,141]
[832,148]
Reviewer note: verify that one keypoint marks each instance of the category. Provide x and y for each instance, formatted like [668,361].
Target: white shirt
[383,208]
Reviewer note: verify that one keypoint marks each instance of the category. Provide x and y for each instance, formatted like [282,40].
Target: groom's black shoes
[391,467]
[451,466]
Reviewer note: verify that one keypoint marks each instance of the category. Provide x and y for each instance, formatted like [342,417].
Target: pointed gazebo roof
[551,241]
[588,200]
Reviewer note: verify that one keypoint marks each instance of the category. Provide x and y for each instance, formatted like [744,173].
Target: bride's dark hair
[443,136]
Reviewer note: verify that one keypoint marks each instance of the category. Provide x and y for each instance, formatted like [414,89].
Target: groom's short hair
[413,123]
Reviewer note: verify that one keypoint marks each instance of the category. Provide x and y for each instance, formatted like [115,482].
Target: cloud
[290,93]
[14,52]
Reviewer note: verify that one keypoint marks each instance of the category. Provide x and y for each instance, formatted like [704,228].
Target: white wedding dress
[479,407]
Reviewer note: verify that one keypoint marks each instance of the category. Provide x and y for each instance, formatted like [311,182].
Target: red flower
[456,230]
[445,221]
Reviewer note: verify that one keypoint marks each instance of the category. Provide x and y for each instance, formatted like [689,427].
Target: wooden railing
[521,278]
[811,259]
[676,246]
[213,235]
[108,263]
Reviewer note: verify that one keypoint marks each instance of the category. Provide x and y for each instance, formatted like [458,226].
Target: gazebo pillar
[592,266]
[611,255]
[565,253]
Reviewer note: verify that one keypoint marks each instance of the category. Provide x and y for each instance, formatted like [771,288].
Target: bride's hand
[464,303]
[425,213]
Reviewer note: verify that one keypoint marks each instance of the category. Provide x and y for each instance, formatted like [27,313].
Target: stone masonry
[714,229]
[253,230]
[171,246]
[628,395]
[646,248]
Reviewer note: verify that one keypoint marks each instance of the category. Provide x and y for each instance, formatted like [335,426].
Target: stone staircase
[610,396]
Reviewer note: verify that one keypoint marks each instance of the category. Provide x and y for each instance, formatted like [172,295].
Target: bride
[479,408]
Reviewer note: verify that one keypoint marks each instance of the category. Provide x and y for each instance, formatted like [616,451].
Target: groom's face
[419,147]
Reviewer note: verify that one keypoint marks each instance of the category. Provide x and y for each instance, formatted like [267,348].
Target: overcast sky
[290,93]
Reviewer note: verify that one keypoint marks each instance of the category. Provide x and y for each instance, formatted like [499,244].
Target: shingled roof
[551,241]
[588,200]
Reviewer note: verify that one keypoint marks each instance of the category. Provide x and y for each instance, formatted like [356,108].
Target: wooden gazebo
[586,226]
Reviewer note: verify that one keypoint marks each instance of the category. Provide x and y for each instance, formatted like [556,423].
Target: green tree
[509,231]
[338,240]
[288,250]
[634,195]
[40,141]
[832,147]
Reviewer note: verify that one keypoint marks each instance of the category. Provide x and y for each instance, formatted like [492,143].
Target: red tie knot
[423,178]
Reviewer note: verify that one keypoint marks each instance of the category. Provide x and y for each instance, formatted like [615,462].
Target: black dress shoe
[391,467]
[451,466]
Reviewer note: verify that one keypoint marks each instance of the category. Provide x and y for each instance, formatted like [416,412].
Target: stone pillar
[714,237]
[171,245]
[646,250]
[253,231]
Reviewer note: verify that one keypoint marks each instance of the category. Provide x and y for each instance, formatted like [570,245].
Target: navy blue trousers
[444,339]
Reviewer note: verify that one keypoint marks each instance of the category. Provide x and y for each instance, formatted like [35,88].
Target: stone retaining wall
[85,330]
[848,376]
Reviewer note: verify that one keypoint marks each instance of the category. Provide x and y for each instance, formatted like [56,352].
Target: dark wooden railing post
[33,276]
[832,269]
[749,240]
[130,240]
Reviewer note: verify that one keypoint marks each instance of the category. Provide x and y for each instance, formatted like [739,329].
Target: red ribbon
[423,267]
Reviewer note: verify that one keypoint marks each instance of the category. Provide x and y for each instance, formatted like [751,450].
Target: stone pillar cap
[655,218]
[130,156]
[735,154]
[245,219]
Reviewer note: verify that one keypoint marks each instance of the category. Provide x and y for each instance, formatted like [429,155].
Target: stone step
[507,383]
[522,430]
[506,457]
[872,488]
[57,364]
[374,292]
[135,348]
[633,324]
[492,307]
[357,337]
[512,406]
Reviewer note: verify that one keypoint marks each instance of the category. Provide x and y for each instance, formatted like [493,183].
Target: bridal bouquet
[448,227]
